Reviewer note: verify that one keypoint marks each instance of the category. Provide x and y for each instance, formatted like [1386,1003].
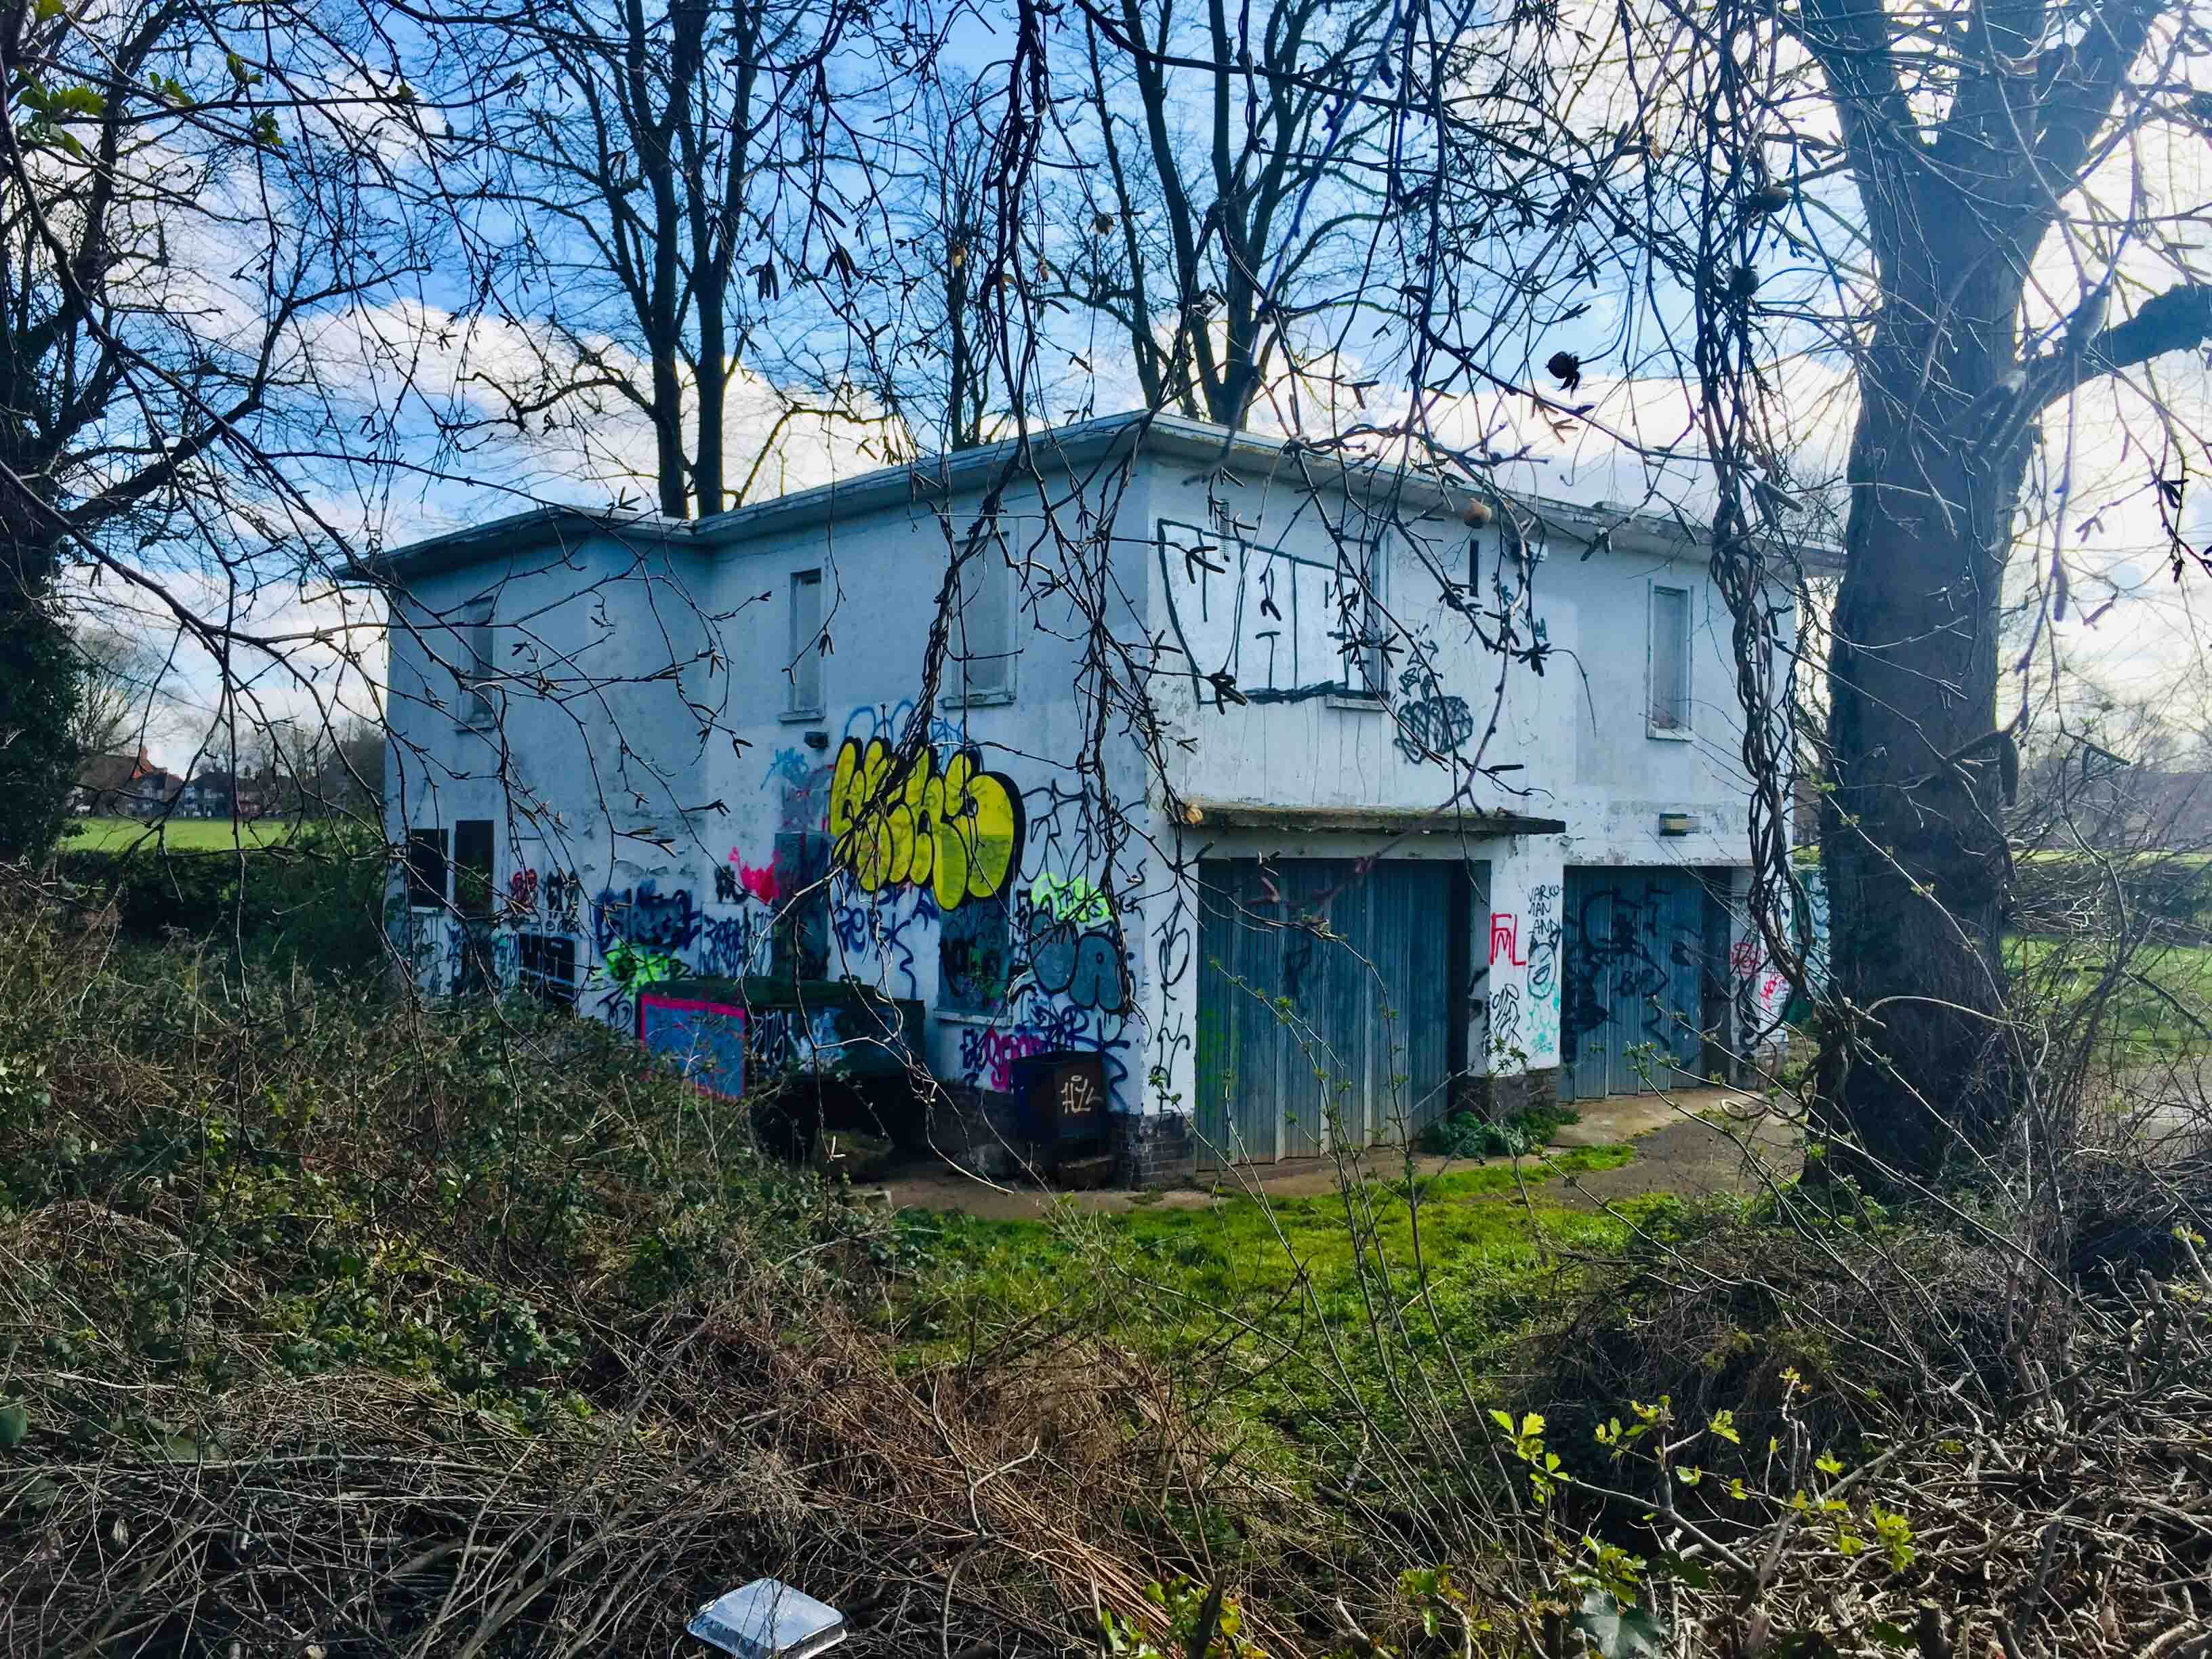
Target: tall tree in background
[120,693]
[1204,244]
[939,356]
[185,194]
[652,179]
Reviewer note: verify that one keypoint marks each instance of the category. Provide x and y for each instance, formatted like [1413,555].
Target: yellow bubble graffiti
[956,830]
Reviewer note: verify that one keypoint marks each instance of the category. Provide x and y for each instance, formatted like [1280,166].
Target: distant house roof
[107,774]
[1629,529]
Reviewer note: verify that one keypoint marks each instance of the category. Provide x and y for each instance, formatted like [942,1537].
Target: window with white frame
[805,658]
[1670,673]
[1363,623]
[480,665]
[983,626]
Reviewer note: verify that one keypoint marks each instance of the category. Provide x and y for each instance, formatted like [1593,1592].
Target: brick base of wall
[1496,1098]
[1154,1149]
[973,1129]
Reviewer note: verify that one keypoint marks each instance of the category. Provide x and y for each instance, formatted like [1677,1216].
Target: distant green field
[178,835]
[2163,1007]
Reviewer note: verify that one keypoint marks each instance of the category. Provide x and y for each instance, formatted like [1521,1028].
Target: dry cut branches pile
[969,1510]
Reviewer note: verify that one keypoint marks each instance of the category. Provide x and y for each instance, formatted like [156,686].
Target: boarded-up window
[975,957]
[426,868]
[799,946]
[805,642]
[1670,660]
[472,866]
[1259,624]
[546,965]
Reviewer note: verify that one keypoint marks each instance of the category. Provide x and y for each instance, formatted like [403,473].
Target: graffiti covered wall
[1009,862]
[944,881]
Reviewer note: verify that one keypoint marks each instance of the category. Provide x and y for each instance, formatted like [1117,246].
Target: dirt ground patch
[1697,1157]
[1693,1144]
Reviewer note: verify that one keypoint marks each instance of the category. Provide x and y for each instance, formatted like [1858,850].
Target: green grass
[178,835]
[1277,1299]
[2163,1008]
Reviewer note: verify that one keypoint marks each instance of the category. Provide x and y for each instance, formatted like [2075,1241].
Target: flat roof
[1057,449]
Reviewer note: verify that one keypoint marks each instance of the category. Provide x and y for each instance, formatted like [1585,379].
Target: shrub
[333,1324]
[1465,1134]
[314,898]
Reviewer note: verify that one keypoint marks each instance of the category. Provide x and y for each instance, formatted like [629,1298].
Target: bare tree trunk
[708,486]
[38,695]
[1920,1066]
[715,217]
[664,323]
[1918,1071]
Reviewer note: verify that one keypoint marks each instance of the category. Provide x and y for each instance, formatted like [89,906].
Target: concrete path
[1690,1143]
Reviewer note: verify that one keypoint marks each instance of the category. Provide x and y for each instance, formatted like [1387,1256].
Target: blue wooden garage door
[1632,973]
[1325,1003]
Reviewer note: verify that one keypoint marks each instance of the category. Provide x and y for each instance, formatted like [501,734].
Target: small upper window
[805,672]
[1363,619]
[982,639]
[1670,662]
[479,704]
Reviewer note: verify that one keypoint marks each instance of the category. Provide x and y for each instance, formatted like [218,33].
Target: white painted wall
[628,782]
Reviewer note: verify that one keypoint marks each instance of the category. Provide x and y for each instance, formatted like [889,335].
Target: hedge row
[317,897]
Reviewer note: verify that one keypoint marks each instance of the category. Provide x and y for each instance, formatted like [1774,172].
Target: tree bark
[38,690]
[1921,1073]
[1917,1079]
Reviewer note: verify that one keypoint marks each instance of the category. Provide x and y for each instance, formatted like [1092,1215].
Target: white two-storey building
[1306,808]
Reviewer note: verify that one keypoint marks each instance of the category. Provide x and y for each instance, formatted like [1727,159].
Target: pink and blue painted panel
[705,1040]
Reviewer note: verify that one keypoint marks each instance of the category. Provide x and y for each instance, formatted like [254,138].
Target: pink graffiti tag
[1505,937]
[1744,956]
[522,892]
[759,880]
[990,1055]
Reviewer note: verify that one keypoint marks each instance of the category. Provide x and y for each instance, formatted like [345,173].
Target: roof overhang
[541,528]
[1367,820]
[1410,493]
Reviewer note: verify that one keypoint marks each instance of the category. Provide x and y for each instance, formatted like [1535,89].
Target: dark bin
[1060,1104]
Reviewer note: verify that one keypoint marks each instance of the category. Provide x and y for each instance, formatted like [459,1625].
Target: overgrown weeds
[1468,1134]
[327,1322]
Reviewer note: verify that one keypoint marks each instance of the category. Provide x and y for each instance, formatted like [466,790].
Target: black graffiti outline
[1086,965]
[646,917]
[1206,684]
